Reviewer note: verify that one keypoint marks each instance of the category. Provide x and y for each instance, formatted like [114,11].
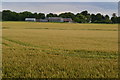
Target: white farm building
[30,19]
[49,19]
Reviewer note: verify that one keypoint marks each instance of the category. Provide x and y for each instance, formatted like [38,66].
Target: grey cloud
[58,7]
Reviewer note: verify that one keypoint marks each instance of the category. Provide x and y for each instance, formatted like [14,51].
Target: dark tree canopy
[80,18]
[83,17]
[8,15]
[52,15]
[67,15]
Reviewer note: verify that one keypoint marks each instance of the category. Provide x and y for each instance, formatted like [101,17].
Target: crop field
[59,50]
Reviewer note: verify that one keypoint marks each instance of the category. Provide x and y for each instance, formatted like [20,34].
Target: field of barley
[59,50]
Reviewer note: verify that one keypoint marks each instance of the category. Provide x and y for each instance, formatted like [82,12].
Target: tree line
[83,17]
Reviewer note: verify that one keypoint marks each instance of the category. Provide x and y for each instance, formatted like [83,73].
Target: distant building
[55,19]
[67,19]
[37,20]
[41,20]
[30,19]
[50,19]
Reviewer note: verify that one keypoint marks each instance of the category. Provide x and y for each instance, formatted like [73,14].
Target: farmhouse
[30,19]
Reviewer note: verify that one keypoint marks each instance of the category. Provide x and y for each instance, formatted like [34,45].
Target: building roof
[55,18]
[29,18]
[67,19]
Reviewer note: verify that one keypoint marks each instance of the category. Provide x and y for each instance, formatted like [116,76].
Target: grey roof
[55,18]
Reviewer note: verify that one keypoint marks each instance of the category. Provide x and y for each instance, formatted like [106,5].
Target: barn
[50,19]
[41,20]
[55,19]
[67,19]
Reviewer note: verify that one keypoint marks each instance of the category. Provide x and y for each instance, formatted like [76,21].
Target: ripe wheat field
[59,50]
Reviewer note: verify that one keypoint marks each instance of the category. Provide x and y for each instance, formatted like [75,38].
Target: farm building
[55,19]
[67,19]
[30,19]
[50,19]
[41,20]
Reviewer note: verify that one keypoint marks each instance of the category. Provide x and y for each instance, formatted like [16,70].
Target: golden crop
[59,50]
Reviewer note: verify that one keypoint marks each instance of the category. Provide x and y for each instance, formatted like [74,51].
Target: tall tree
[67,15]
[114,18]
[99,18]
[8,15]
[93,18]
[41,15]
[87,16]
[85,13]
[83,17]
[24,15]
[114,15]
[51,15]
[80,18]
[118,19]
[107,19]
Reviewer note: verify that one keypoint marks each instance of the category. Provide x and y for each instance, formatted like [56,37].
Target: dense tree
[0,16]
[41,15]
[83,17]
[8,15]
[38,15]
[67,15]
[99,18]
[52,15]
[114,15]
[80,18]
[24,15]
[107,19]
[114,18]
[35,15]
[87,16]
[85,13]
[118,20]
[93,18]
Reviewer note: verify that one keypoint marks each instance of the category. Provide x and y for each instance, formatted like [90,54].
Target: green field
[59,50]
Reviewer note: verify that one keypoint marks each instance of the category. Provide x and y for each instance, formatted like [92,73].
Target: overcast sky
[60,7]
[60,0]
